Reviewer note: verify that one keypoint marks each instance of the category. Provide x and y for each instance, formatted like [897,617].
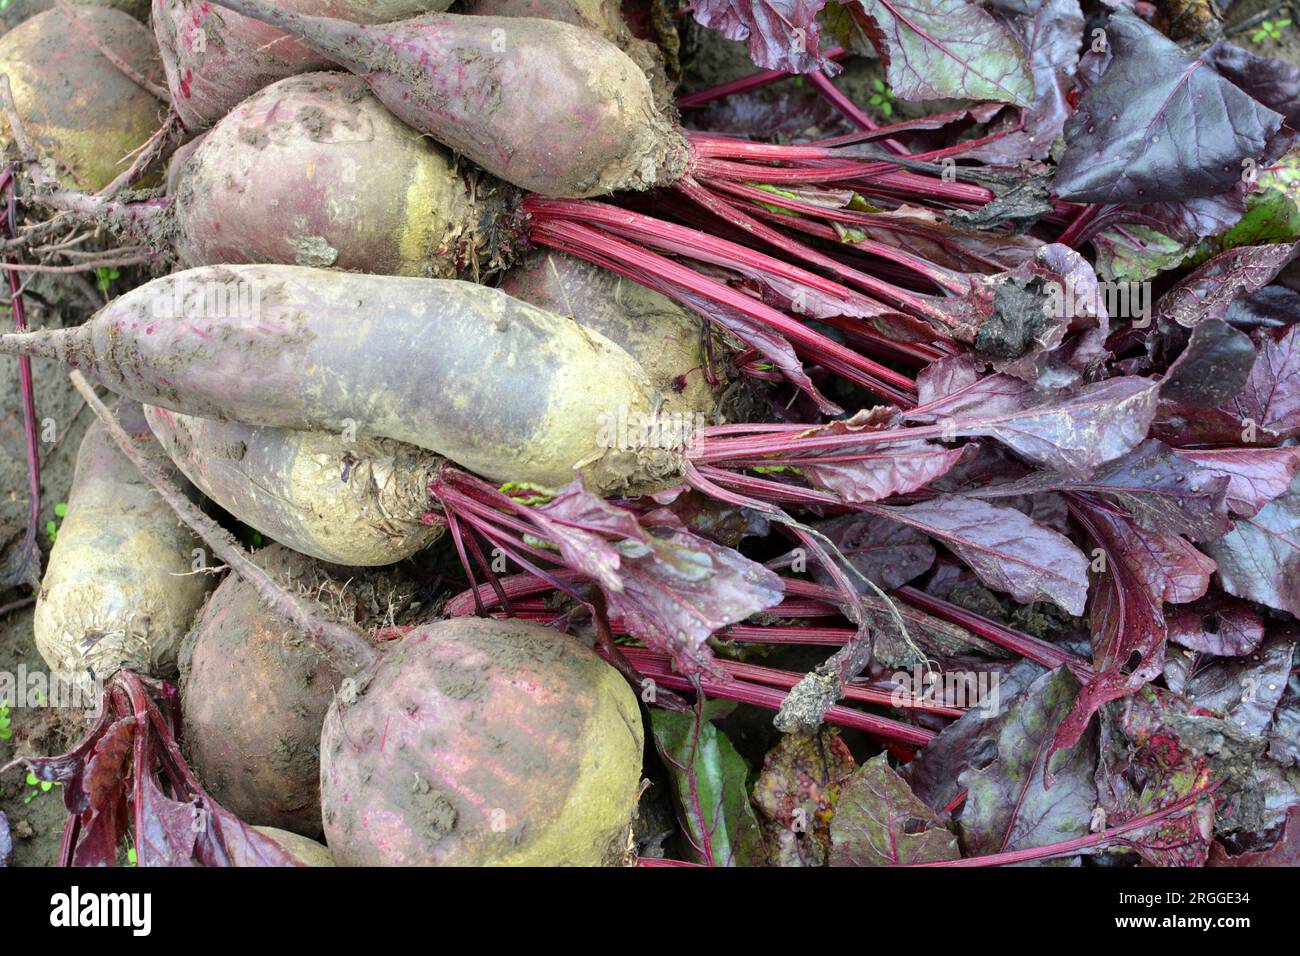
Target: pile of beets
[511,449]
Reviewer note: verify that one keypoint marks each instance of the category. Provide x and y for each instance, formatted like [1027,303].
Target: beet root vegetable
[545,105]
[16,11]
[214,58]
[356,502]
[499,386]
[604,17]
[483,742]
[306,851]
[290,175]
[664,337]
[78,107]
[119,591]
[254,691]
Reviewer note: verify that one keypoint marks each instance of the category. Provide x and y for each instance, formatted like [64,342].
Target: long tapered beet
[483,742]
[214,58]
[545,105]
[120,588]
[499,386]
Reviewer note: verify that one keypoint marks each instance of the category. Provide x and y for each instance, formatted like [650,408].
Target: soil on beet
[36,818]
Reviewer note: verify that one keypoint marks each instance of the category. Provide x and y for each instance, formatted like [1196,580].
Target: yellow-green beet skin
[357,502]
[79,109]
[120,588]
[483,743]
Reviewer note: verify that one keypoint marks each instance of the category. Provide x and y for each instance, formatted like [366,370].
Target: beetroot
[121,587]
[214,58]
[79,108]
[483,742]
[545,105]
[360,502]
[254,691]
[289,176]
[530,388]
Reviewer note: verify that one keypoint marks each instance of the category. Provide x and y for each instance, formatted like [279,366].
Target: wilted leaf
[947,375]
[879,470]
[1008,806]
[1245,689]
[1159,125]
[1143,570]
[1049,32]
[1053,344]
[170,830]
[1271,398]
[708,781]
[1273,82]
[1006,549]
[1212,287]
[1153,756]
[1285,852]
[935,49]
[968,743]
[1273,306]
[1284,735]
[1255,475]
[1213,367]
[1267,409]
[1136,253]
[879,822]
[671,588]
[796,794]
[1216,625]
[182,827]
[951,245]
[106,820]
[884,552]
[1157,488]
[724,523]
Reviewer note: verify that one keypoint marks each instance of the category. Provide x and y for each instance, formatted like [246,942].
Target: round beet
[290,176]
[483,742]
[79,108]
[254,692]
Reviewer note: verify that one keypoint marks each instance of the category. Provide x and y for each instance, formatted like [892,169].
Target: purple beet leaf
[1159,125]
